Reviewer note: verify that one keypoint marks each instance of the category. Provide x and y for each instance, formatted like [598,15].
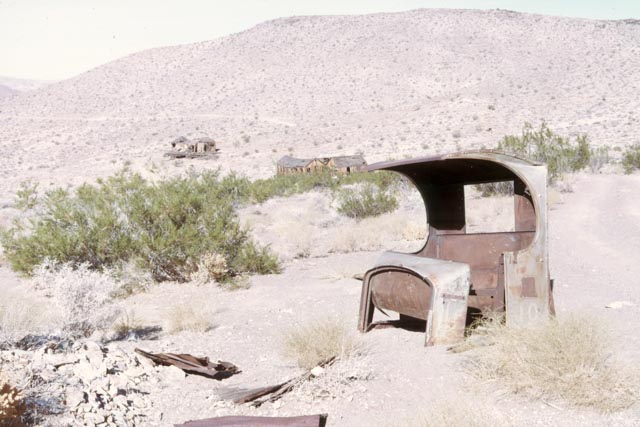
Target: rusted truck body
[458,275]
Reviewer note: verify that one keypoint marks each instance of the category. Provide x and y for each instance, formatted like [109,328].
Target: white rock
[74,398]
[86,372]
[95,356]
[317,371]
[619,304]
[172,374]
[137,401]
[134,372]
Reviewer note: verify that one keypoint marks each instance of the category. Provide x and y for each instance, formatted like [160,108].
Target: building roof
[348,161]
[180,139]
[292,162]
[205,140]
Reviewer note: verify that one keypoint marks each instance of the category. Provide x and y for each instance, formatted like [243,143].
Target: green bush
[365,202]
[262,190]
[545,146]
[163,227]
[502,188]
[631,158]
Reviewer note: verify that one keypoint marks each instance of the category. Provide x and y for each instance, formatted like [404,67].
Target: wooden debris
[272,393]
[240,421]
[193,365]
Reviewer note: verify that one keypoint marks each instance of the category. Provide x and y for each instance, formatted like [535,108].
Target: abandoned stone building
[343,164]
[184,147]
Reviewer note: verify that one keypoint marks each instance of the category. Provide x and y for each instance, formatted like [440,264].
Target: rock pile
[89,384]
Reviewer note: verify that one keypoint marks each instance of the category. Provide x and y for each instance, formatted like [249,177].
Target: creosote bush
[365,201]
[501,188]
[262,190]
[544,145]
[561,359]
[631,158]
[164,227]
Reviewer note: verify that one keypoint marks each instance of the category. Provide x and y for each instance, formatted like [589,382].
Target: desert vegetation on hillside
[261,190]
[365,201]
[560,154]
[631,158]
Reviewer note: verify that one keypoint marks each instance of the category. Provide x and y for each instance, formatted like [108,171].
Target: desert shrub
[631,158]
[262,190]
[84,297]
[126,324]
[599,157]
[20,316]
[502,188]
[12,404]
[543,145]
[365,201]
[163,227]
[318,341]
[187,317]
[214,266]
[566,359]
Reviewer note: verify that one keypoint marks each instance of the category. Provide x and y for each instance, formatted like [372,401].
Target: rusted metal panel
[244,421]
[508,270]
[193,365]
[423,288]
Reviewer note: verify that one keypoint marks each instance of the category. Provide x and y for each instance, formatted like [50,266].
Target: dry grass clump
[212,266]
[12,405]
[184,317]
[318,341]
[126,324]
[567,359]
[459,410]
[20,316]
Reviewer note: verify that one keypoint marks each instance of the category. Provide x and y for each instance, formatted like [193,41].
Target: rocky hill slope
[389,85]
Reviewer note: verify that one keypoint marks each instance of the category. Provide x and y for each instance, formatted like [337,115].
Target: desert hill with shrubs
[399,84]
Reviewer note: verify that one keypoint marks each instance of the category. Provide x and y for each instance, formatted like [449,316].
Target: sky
[58,39]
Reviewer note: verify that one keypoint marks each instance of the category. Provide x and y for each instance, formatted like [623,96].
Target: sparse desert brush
[286,185]
[20,316]
[544,145]
[561,359]
[364,202]
[502,188]
[126,324]
[188,317]
[458,410]
[12,405]
[631,158]
[84,297]
[163,227]
[213,266]
[599,157]
[318,341]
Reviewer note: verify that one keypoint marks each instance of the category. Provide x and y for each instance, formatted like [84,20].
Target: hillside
[6,91]
[395,84]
